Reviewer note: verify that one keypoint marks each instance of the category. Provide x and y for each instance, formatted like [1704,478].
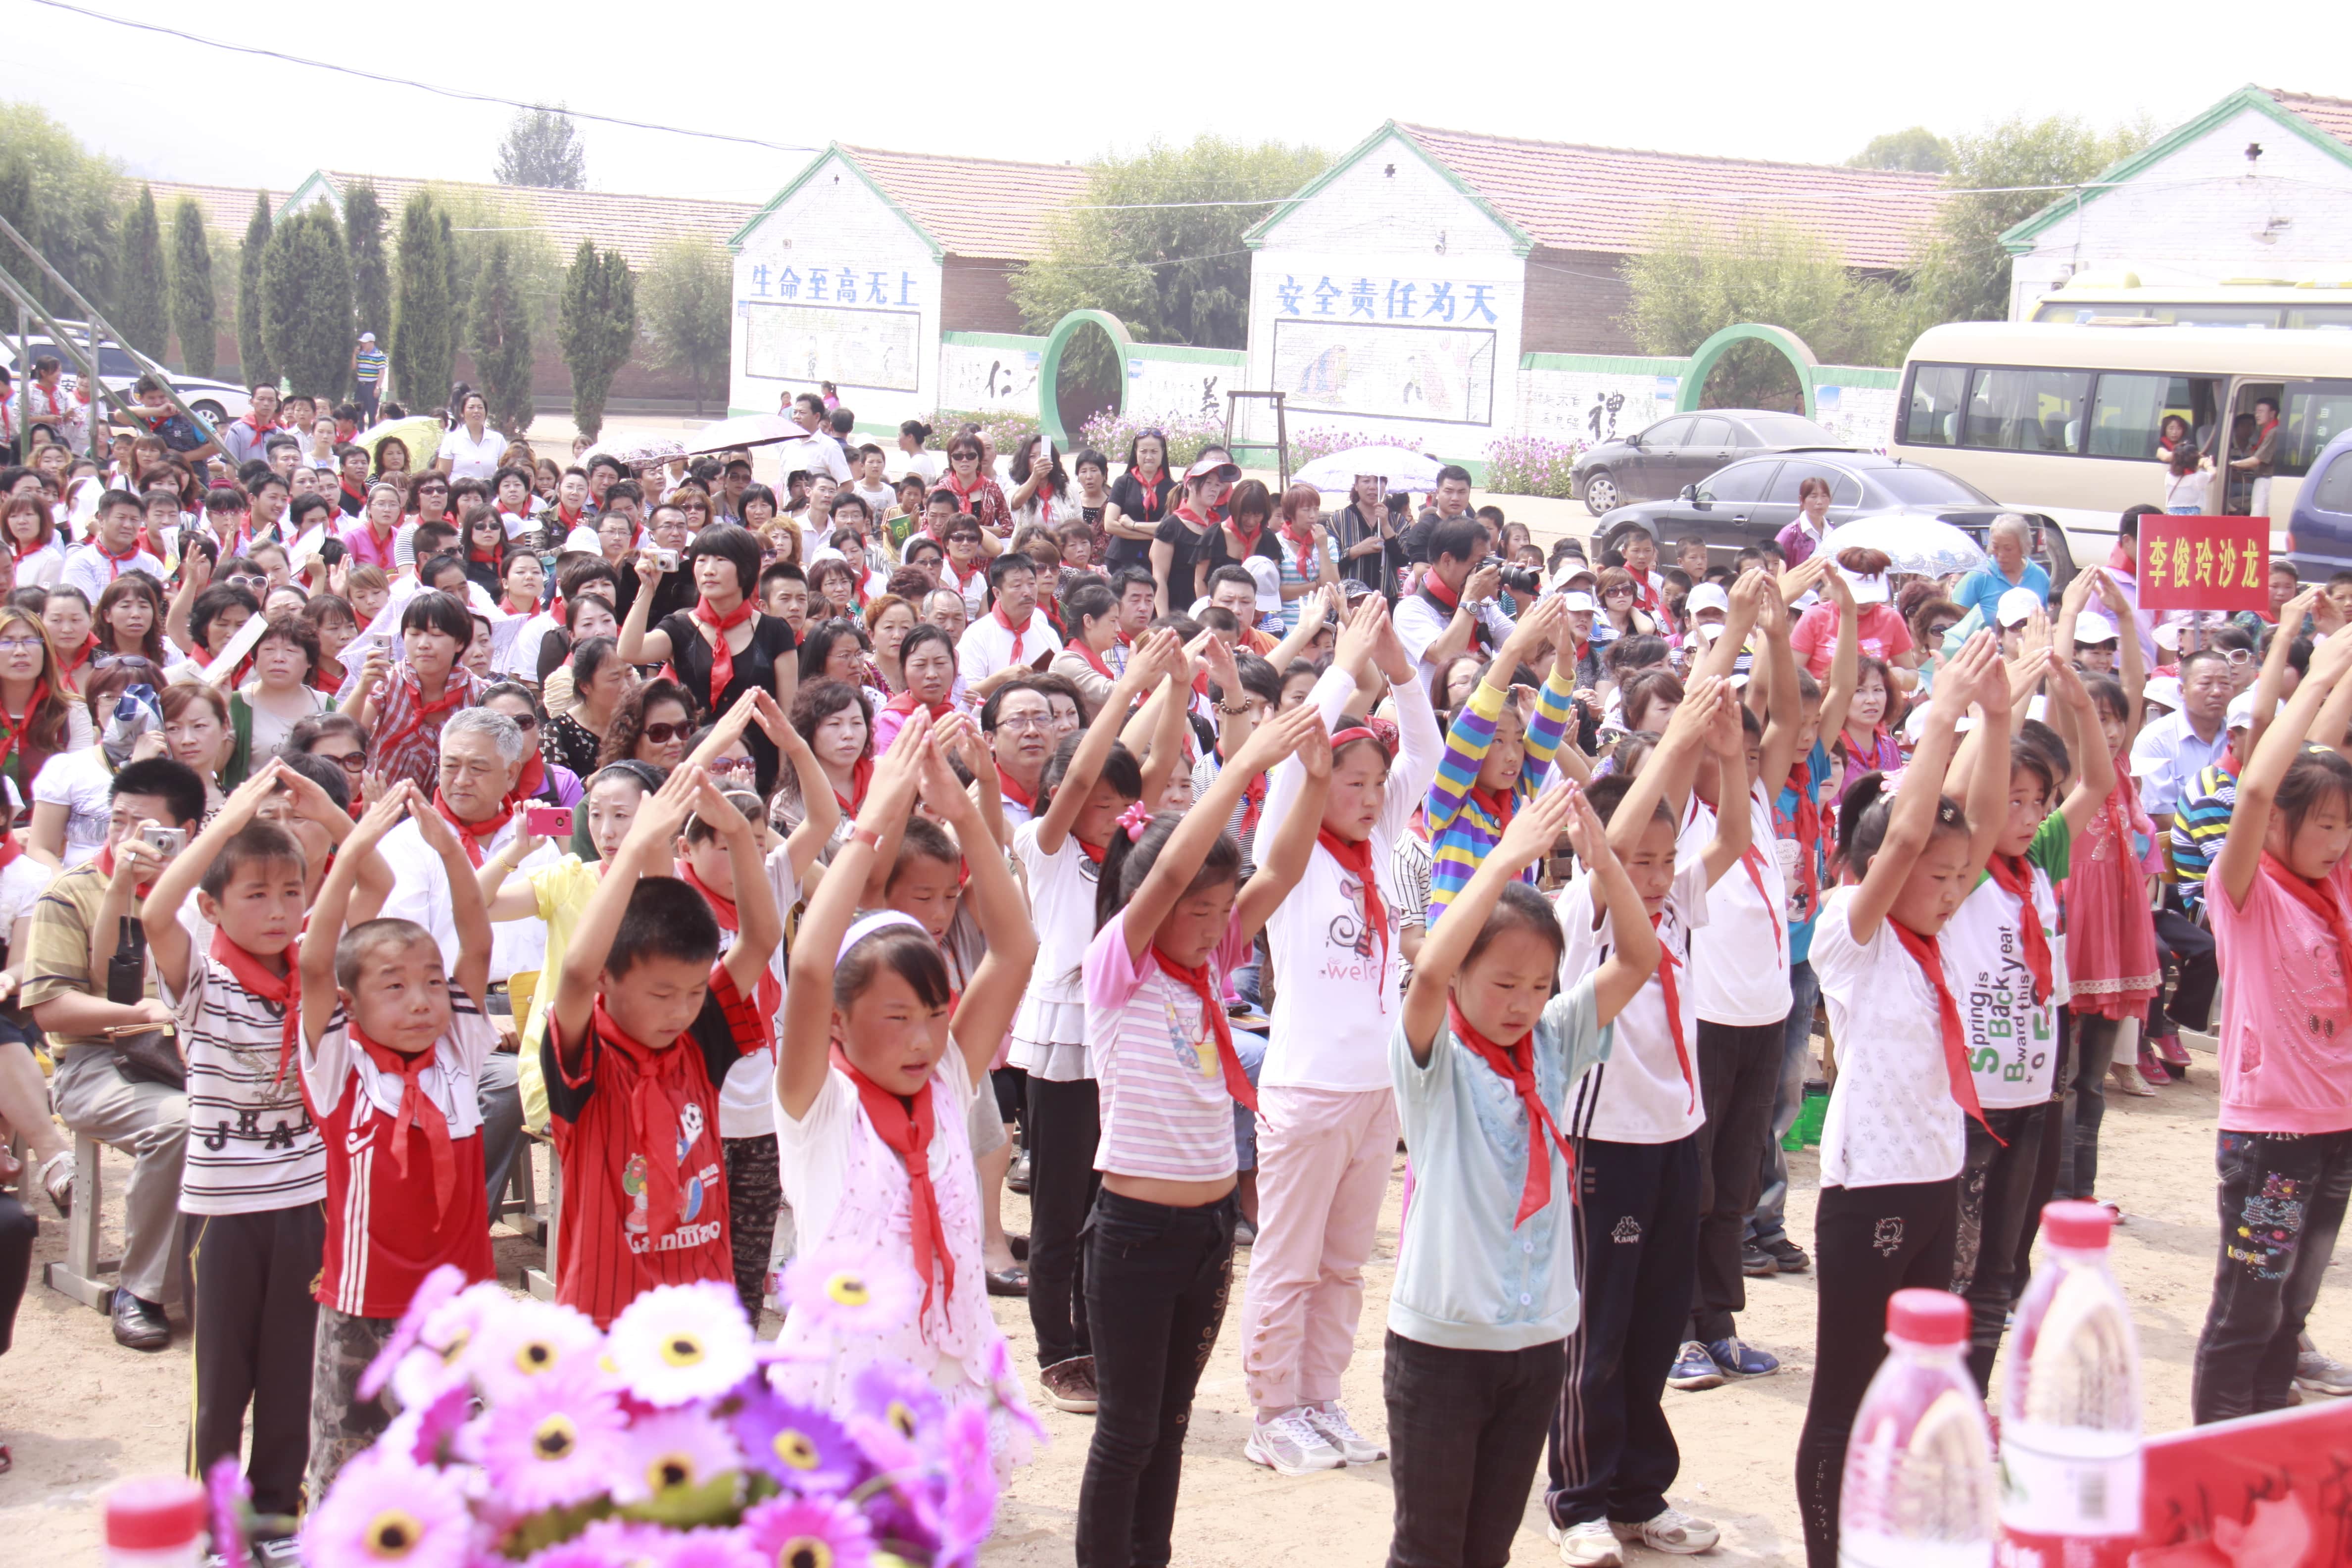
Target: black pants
[1868,1242]
[2191,947]
[1157,1282]
[1065,1124]
[1465,1430]
[1011,1087]
[1739,1078]
[755,1191]
[255,1323]
[1611,1455]
[2087,1104]
[2282,1199]
[17,1230]
[1996,1201]
[2046,1161]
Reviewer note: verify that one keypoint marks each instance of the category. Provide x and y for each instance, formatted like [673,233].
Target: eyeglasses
[733,765]
[131,661]
[20,645]
[1018,721]
[1618,593]
[963,456]
[349,761]
[663,734]
[525,721]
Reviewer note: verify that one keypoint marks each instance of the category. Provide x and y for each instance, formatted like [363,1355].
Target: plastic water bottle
[1919,1484]
[156,1521]
[2070,1410]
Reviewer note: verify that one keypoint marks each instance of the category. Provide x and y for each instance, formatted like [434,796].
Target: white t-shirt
[813,1153]
[450,1082]
[1739,960]
[1891,1118]
[987,645]
[252,1146]
[82,783]
[818,454]
[91,570]
[878,497]
[1049,1032]
[2013,1043]
[747,1096]
[24,880]
[470,458]
[420,892]
[1339,979]
[1649,1091]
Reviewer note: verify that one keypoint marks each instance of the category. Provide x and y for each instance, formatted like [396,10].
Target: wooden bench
[80,1275]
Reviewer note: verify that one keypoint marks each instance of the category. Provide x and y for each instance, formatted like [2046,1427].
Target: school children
[1891,1146]
[1326,1128]
[1611,1455]
[876,1080]
[392,1049]
[1175,917]
[2280,893]
[1484,1057]
[647,1020]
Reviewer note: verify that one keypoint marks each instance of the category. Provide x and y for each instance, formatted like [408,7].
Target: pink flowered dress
[2111,958]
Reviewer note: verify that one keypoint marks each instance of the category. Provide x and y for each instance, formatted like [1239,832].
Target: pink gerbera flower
[678,1344]
[423,1434]
[797,1445]
[672,1451]
[809,1532]
[559,1442]
[850,1290]
[385,1512]
[711,1549]
[626,1543]
[529,1339]
[229,1496]
[439,1288]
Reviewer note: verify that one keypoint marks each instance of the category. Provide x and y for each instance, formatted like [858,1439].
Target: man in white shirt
[482,754]
[1011,639]
[2170,754]
[815,449]
[871,487]
[114,548]
[1455,609]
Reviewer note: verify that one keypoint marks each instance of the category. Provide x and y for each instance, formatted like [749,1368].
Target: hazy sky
[1697,77]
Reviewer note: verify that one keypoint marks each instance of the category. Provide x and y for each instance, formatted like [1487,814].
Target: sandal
[1012,1282]
[2127,1078]
[58,1182]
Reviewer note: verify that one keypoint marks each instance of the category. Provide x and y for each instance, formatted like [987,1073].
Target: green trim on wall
[1522,242]
[1185,354]
[1857,375]
[836,150]
[994,340]
[1704,360]
[1049,369]
[1602,365]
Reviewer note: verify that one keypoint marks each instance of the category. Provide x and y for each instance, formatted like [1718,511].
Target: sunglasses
[663,734]
[349,761]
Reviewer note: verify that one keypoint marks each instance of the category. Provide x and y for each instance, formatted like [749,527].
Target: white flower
[681,1342]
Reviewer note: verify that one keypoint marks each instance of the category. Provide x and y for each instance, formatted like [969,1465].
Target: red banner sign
[2204,562]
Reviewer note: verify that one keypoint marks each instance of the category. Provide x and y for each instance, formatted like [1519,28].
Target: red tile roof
[1612,199]
[975,206]
[226,208]
[2333,115]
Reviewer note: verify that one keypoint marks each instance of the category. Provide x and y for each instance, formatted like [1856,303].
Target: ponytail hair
[1128,862]
[1863,812]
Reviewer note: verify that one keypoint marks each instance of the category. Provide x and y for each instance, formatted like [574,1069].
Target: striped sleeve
[1555,705]
[1467,741]
[2199,827]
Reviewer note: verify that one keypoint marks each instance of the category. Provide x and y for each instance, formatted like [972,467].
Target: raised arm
[1845,658]
[762,928]
[1314,611]
[1734,825]
[1988,781]
[1784,712]
[1530,837]
[2241,852]
[2094,776]
[1748,596]
[639,645]
[647,849]
[820,807]
[2273,678]
[329,915]
[1913,820]
[167,939]
[1282,859]
[1152,658]
[985,1011]
[468,909]
[1667,776]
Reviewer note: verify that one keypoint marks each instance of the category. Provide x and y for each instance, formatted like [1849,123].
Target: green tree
[424,312]
[1918,150]
[500,330]
[73,209]
[541,147]
[253,366]
[143,297]
[1173,275]
[371,269]
[306,301]
[690,294]
[597,328]
[195,314]
[1964,275]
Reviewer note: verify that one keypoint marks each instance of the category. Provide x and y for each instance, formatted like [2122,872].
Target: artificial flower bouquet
[527,1436]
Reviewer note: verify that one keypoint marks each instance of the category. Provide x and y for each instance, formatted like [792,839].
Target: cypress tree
[306,287]
[252,349]
[501,342]
[424,316]
[143,307]
[597,327]
[195,314]
[371,269]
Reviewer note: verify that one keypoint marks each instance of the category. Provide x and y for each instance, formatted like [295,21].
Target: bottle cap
[155,1513]
[2070,1223]
[1927,1318]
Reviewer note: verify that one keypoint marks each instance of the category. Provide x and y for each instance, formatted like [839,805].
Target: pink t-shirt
[1879,632]
[2286,1020]
[362,543]
[1165,1110]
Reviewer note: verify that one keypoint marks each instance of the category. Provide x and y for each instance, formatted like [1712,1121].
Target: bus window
[2027,410]
[2320,318]
[2316,411]
[2218,315]
[1933,417]
[2128,413]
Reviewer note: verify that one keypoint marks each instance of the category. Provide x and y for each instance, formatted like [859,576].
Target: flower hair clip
[1135,820]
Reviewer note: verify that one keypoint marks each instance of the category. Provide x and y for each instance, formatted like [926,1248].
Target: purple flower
[711,1549]
[230,1495]
[802,1448]
[968,1510]
[559,1443]
[626,1543]
[851,1290]
[809,1532]
[1004,1383]
[423,1434]
[385,1512]
[528,1340]
[439,1287]
[899,1399]
[670,1452]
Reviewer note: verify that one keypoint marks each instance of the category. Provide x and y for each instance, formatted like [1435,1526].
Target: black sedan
[1753,500]
[1683,450]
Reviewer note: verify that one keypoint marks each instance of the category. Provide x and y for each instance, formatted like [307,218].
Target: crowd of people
[810,864]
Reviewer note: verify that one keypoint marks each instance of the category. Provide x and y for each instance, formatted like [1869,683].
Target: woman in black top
[1139,499]
[1247,530]
[724,561]
[600,680]
[1365,536]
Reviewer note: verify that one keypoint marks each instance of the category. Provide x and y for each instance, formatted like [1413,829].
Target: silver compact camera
[665,559]
[165,841]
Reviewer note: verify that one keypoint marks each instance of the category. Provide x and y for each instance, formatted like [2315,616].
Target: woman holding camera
[723,646]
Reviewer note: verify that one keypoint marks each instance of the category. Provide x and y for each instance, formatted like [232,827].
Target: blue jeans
[1768,1223]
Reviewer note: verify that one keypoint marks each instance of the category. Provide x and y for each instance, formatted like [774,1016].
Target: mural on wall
[1186,388]
[1438,373]
[877,349]
[979,376]
[1595,405]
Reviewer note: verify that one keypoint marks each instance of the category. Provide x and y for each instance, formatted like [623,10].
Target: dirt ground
[81,1414]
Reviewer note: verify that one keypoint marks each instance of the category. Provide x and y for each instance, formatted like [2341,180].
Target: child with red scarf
[392,1048]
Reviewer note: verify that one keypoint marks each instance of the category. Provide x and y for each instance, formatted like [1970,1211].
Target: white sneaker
[1673,1532]
[1592,1545]
[1288,1446]
[1331,1421]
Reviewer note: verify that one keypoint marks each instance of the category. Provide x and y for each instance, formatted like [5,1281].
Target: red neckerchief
[1305,546]
[418,1108]
[1930,960]
[1043,498]
[1093,852]
[283,992]
[1500,805]
[25,550]
[2320,899]
[482,557]
[1667,965]
[1752,860]
[1355,857]
[1253,794]
[1808,832]
[452,693]
[567,520]
[768,994]
[657,1105]
[1248,538]
[1516,1064]
[1010,788]
[1085,650]
[722,658]
[906,702]
[1018,632]
[471,834]
[1213,1015]
[9,849]
[963,497]
[960,576]
[861,777]
[906,1126]
[357,492]
[114,563]
[533,780]
[2012,875]
[89,645]
[15,728]
[1152,497]
[326,675]
[105,863]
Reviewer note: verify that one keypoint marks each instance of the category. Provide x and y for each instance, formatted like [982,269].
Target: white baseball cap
[367,337]
[1268,578]
[2091,627]
[2017,607]
[1707,596]
[2164,690]
[1869,588]
[1575,599]
[1571,568]
[2241,711]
